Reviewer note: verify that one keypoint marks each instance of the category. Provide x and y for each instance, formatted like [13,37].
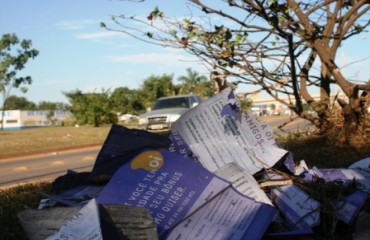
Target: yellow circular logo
[150,161]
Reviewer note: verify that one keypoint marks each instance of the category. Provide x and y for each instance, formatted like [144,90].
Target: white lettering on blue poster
[169,185]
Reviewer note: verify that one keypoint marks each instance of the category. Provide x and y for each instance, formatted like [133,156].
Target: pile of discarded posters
[219,175]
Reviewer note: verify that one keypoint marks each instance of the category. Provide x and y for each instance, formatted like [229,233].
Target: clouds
[147,63]
[98,35]
[76,24]
[88,29]
[164,58]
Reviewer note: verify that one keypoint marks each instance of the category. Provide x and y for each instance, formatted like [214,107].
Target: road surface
[296,125]
[47,166]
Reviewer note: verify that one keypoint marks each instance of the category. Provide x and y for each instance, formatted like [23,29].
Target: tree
[155,87]
[195,84]
[91,108]
[19,103]
[246,103]
[53,106]
[14,54]
[276,45]
[125,100]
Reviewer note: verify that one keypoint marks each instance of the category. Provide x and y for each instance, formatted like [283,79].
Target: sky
[75,53]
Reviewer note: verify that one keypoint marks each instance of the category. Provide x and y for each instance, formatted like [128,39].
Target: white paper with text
[243,182]
[229,216]
[217,138]
[300,210]
[84,225]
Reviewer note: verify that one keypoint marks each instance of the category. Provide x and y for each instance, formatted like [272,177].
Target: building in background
[20,119]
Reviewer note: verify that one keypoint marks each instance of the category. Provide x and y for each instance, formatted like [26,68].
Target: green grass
[49,138]
[315,151]
[14,200]
[28,141]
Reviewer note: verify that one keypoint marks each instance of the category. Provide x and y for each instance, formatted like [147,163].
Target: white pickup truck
[166,111]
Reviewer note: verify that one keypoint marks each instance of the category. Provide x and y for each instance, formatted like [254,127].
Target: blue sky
[75,53]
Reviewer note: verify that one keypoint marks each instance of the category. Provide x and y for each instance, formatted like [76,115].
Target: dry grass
[14,200]
[316,152]
[49,138]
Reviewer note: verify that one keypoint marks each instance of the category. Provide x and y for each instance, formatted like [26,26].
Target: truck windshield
[171,103]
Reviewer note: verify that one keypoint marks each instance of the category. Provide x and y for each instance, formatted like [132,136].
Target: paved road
[296,125]
[50,165]
[47,166]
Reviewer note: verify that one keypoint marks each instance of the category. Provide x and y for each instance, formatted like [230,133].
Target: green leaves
[190,27]
[239,38]
[7,41]
[102,25]
[358,28]
[173,32]
[277,38]
[155,13]
[92,108]
[14,54]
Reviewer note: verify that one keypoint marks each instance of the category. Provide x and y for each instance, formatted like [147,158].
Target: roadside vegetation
[286,49]
[35,140]
[14,55]
[301,38]
[16,199]
[315,151]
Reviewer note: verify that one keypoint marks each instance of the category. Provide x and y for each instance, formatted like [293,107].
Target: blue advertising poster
[185,200]
[120,146]
[169,185]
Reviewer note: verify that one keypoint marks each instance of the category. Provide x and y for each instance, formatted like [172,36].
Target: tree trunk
[356,121]
[356,128]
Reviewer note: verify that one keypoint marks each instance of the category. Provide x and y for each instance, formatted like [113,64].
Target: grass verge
[315,151]
[34,140]
[12,201]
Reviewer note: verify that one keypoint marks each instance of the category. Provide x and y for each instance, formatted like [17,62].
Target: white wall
[17,119]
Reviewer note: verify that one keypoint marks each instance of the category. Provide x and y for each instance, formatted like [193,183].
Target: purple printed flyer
[169,185]
[177,190]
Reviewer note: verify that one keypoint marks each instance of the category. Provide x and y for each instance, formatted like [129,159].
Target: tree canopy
[47,105]
[155,87]
[286,48]
[194,83]
[99,108]
[20,103]
[14,54]
[91,108]
[127,100]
